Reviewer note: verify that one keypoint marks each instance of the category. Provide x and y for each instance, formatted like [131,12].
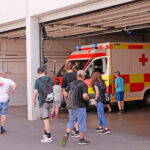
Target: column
[33,62]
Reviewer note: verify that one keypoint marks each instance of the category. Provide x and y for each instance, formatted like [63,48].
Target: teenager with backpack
[43,89]
[100,101]
[67,78]
[77,107]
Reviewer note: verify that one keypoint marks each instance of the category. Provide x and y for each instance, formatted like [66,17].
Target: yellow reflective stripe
[106,78]
[129,99]
[127,87]
[119,46]
[147,46]
[146,84]
[135,98]
[136,78]
[90,90]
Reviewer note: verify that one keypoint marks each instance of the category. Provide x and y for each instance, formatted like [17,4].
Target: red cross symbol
[1,84]
[143,60]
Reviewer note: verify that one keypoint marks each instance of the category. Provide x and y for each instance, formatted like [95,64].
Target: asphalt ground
[129,131]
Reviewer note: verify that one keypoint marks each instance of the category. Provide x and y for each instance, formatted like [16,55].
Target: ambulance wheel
[147,97]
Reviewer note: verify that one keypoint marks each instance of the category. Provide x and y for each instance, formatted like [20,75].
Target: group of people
[77,117]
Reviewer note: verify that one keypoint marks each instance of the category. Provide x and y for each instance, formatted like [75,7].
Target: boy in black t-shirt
[67,78]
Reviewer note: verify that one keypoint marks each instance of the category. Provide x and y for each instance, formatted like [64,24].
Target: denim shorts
[4,108]
[45,110]
[119,96]
[79,115]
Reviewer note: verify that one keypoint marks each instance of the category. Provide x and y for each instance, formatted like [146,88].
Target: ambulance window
[98,65]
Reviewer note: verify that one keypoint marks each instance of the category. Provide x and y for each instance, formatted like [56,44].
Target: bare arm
[85,96]
[61,94]
[35,93]
[65,94]
[14,87]
[97,92]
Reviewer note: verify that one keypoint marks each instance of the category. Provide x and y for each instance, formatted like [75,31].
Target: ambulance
[131,59]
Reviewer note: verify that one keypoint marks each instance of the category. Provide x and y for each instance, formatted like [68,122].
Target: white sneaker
[44,136]
[47,140]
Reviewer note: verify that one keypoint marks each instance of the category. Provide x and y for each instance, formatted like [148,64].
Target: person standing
[5,85]
[67,78]
[45,107]
[119,86]
[57,98]
[99,86]
[79,113]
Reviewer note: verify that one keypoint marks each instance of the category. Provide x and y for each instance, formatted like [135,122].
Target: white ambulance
[131,59]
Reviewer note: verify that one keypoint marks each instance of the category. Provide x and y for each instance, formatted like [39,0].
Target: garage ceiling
[131,16]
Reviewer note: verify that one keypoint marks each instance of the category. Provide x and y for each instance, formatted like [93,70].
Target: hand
[9,93]
[95,103]
[34,103]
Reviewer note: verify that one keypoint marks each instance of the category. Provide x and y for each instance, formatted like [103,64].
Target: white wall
[38,7]
[15,10]
[12,10]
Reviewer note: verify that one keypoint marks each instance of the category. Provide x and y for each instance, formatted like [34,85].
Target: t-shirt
[83,88]
[120,84]
[67,78]
[5,84]
[100,87]
[38,86]
[57,91]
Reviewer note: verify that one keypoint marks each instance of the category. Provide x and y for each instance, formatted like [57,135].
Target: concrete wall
[13,62]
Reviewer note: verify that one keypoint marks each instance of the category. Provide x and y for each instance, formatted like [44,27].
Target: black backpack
[104,97]
[72,100]
[47,94]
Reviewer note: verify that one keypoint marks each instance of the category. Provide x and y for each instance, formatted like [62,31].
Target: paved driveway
[130,131]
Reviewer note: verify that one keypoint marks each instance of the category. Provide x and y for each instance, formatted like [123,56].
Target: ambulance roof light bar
[90,47]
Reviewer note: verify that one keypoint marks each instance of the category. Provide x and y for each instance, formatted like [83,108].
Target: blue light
[130,32]
[78,48]
[94,46]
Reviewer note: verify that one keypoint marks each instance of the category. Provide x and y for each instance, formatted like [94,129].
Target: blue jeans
[79,115]
[100,111]
[4,108]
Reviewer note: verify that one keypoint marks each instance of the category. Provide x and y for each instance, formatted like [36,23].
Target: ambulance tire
[147,98]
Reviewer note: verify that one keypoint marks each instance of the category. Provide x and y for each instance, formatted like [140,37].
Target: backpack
[72,101]
[104,96]
[47,94]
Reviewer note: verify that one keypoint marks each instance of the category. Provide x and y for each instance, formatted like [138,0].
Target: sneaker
[99,129]
[120,112]
[3,130]
[47,140]
[44,136]
[64,141]
[105,131]
[75,134]
[83,142]
[109,111]
[56,117]
[51,116]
